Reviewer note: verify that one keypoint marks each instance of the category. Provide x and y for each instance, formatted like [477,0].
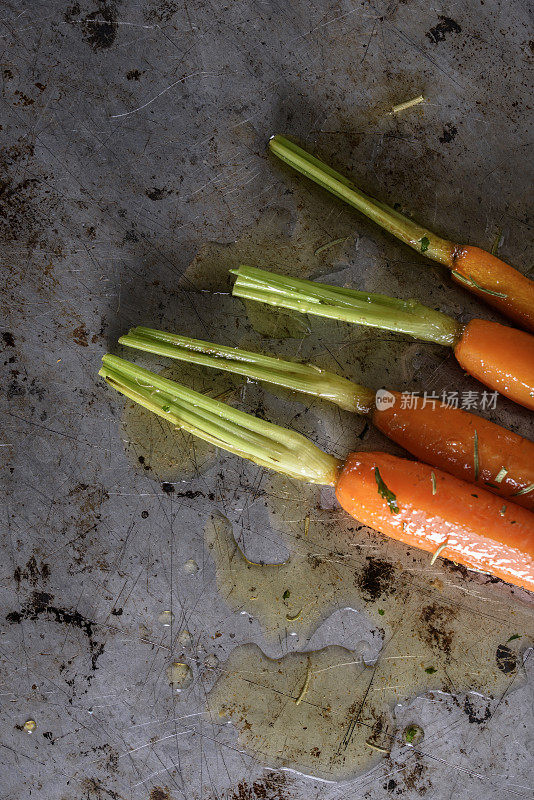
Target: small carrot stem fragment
[408,104]
[305,685]
[440,549]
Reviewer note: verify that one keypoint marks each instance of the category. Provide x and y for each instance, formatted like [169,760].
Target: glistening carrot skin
[433,511]
[451,439]
[405,500]
[511,292]
[487,276]
[499,356]
[468,447]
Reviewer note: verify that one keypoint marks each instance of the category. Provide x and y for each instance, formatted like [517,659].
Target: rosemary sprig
[387,494]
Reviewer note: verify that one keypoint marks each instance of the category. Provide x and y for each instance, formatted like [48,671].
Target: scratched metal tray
[177,623]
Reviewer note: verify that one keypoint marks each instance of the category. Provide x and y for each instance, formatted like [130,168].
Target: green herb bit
[496,243]
[476,459]
[410,733]
[387,494]
[515,636]
[430,670]
[502,511]
[526,490]
[330,244]
[472,282]
[381,612]
[434,486]
[502,473]
[425,243]
[286,594]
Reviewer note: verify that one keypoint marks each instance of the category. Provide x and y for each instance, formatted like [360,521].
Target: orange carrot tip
[487,276]
[407,500]
[499,356]
[447,437]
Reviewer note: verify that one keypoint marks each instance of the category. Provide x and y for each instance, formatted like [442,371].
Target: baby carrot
[487,276]
[437,511]
[451,439]
[502,355]
[405,500]
[499,356]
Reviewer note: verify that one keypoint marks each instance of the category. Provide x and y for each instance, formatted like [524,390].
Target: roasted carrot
[502,355]
[466,446]
[406,500]
[487,276]
[452,439]
[499,356]
[439,512]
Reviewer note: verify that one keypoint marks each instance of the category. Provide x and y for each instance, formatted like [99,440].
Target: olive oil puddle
[418,629]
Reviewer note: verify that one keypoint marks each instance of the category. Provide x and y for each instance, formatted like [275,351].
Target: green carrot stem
[247,436]
[299,377]
[362,308]
[418,237]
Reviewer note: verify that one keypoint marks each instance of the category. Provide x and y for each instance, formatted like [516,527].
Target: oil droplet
[185,638]
[179,675]
[29,726]
[166,618]
[191,566]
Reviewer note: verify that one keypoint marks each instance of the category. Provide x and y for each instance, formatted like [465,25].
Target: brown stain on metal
[40,604]
[26,208]
[376,579]
[160,793]
[80,335]
[32,573]
[435,627]
[272,787]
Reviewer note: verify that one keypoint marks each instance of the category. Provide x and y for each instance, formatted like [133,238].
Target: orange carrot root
[436,509]
[448,438]
[500,357]
[496,282]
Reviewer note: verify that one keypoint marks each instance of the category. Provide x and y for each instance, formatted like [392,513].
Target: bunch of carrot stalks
[471,500]
[452,439]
